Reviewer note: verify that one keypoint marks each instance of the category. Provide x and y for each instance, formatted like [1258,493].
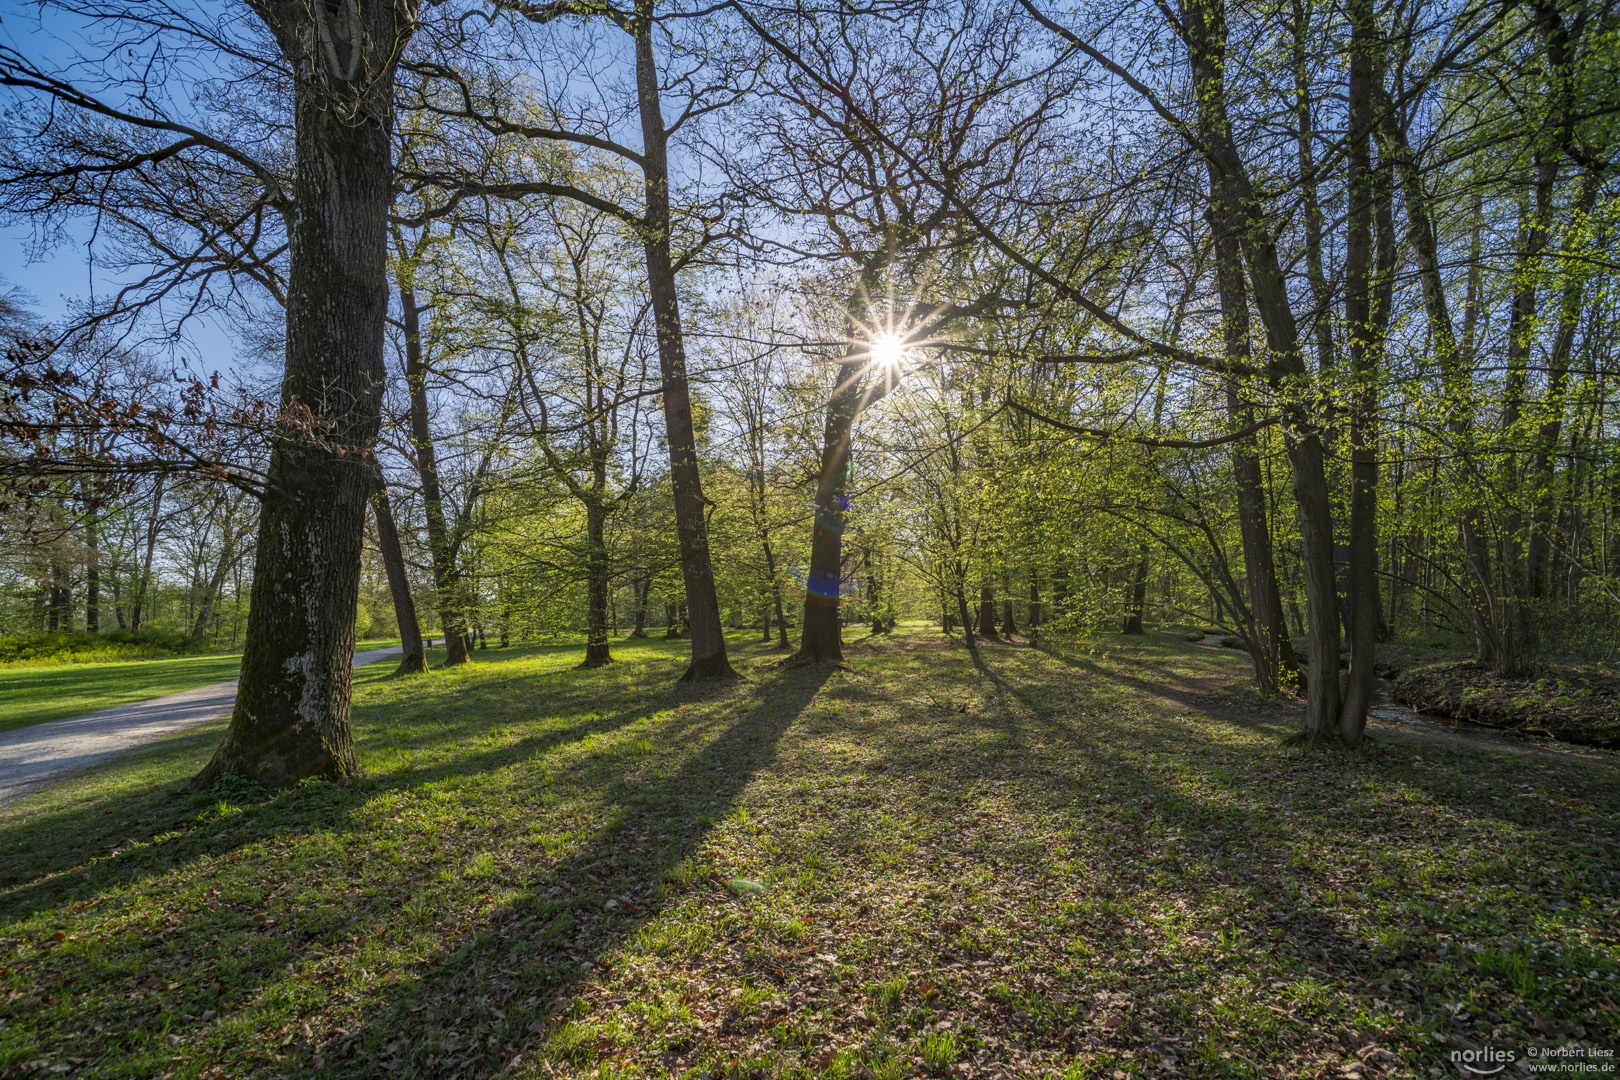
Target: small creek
[1384,706]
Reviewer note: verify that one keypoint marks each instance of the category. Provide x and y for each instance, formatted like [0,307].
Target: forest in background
[1294,319]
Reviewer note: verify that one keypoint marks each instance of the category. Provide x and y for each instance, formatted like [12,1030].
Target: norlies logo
[1484,1062]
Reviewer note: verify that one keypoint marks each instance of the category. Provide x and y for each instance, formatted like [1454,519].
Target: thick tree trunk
[708,635]
[413,659]
[291,719]
[598,573]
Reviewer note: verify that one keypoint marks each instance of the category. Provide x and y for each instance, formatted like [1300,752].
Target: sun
[889,351]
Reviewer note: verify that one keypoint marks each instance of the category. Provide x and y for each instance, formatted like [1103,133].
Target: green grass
[1103,864]
[35,695]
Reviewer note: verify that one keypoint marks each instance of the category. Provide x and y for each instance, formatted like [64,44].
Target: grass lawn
[33,695]
[1101,864]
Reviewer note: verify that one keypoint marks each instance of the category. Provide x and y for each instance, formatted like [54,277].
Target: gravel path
[32,757]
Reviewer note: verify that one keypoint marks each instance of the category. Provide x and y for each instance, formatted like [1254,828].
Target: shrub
[46,649]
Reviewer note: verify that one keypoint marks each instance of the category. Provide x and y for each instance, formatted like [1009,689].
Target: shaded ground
[1100,864]
[1578,705]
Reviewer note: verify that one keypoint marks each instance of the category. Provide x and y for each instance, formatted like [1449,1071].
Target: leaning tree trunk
[597,571]
[1234,199]
[963,613]
[413,660]
[291,719]
[1270,651]
[691,529]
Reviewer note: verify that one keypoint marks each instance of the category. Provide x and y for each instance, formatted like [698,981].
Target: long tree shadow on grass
[65,856]
[470,1010]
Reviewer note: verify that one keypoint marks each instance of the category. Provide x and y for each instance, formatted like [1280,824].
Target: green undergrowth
[1094,861]
[39,650]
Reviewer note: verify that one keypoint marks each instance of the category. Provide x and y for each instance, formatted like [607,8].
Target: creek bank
[1576,705]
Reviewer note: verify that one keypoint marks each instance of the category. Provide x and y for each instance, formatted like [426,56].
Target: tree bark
[291,719]
[1270,651]
[641,590]
[1363,322]
[1231,188]
[597,574]
[137,606]
[708,635]
[986,622]
[441,550]
[413,660]
[820,639]
[1139,578]
[92,570]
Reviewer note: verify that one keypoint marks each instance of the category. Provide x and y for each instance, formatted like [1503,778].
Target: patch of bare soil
[1572,704]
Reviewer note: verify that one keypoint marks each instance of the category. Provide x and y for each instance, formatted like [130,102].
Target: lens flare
[889,351]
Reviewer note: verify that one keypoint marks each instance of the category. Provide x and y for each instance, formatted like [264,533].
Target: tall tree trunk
[1270,650]
[1494,605]
[962,612]
[1232,190]
[291,719]
[1364,301]
[441,549]
[1543,495]
[413,660]
[598,575]
[820,638]
[697,572]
